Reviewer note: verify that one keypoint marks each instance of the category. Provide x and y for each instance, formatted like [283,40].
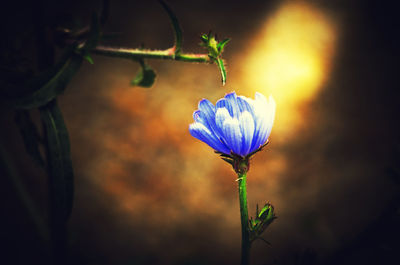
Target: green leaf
[204,39]
[263,211]
[88,58]
[59,161]
[47,85]
[176,27]
[145,77]
[30,135]
[221,45]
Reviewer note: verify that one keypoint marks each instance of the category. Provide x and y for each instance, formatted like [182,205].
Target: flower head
[236,125]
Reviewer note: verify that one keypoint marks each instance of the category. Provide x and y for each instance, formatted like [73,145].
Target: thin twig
[135,54]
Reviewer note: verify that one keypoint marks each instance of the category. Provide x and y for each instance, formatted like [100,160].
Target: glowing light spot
[290,59]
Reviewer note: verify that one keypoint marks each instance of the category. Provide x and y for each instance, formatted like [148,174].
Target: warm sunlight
[290,59]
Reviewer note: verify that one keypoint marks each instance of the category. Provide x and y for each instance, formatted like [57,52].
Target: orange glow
[290,60]
[150,164]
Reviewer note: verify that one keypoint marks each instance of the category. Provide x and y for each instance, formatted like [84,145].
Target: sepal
[239,163]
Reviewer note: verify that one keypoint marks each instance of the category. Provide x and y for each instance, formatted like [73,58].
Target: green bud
[262,220]
[210,42]
[215,49]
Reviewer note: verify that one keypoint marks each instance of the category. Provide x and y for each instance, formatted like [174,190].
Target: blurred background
[149,193]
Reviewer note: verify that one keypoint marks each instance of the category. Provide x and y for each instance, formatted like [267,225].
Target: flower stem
[136,54]
[244,217]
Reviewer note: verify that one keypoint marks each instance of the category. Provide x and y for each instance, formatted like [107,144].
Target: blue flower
[236,124]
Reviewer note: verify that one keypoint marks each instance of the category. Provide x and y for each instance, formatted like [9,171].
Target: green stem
[244,217]
[135,54]
[222,69]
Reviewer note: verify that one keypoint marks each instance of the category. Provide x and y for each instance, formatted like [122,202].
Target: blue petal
[207,107]
[201,132]
[223,103]
[260,138]
[246,124]
[245,104]
[256,138]
[211,126]
[268,122]
[196,116]
[232,104]
[232,134]
[202,118]
[264,113]
[221,115]
[236,124]
[208,110]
